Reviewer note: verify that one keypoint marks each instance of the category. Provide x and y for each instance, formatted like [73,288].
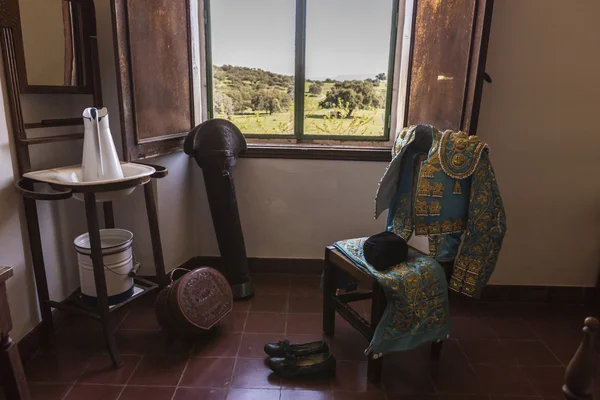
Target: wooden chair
[333,302]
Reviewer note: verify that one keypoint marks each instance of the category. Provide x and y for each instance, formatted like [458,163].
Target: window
[304,69]
[273,59]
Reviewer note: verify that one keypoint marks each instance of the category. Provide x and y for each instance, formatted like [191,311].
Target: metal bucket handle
[173,271]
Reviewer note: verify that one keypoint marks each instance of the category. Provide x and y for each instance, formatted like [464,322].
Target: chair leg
[436,350]
[379,302]
[328,293]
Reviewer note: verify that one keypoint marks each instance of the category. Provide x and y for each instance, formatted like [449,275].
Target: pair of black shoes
[300,360]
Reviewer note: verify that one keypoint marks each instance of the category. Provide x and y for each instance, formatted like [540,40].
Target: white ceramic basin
[70,177]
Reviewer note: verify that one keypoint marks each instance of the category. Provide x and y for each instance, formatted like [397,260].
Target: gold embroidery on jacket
[459,154]
[421,208]
[402,223]
[424,188]
[487,224]
[437,190]
[435,209]
[452,225]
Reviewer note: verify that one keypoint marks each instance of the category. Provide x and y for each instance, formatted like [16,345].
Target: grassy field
[317,121]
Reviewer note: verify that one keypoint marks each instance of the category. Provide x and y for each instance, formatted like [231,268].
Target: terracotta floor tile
[314,384]
[306,304]
[136,342]
[269,303]
[199,394]
[351,376]
[170,346]
[504,380]
[102,371]
[140,319]
[253,374]
[160,370]
[471,397]
[217,344]
[471,328]
[461,309]
[407,373]
[395,396]
[78,322]
[208,372]
[253,344]
[253,394]
[338,395]
[146,301]
[512,398]
[265,323]
[511,328]
[299,338]
[271,283]
[242,305]
[556,329]
[562,349]
[78,342]
[233,322]
[304,285]
[547,381]
[487,352]
[531,352]
[94,392]
[452,354]
[306,395]
[48,391]
[147,393]
[304,323]
[56,368]
[455,378]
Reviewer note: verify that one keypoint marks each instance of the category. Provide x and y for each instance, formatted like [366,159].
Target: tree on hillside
[241,97]
[223,104]
[271,101]
[381,76]
[315,88]
[351,95]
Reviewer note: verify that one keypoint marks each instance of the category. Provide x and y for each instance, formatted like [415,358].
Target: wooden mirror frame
[10,15]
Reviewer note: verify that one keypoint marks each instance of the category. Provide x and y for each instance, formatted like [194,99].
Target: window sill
[318,152]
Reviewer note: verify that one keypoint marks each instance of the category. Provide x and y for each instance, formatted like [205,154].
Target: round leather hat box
[195,302]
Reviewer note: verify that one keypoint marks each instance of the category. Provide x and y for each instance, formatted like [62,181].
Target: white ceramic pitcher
[100,159]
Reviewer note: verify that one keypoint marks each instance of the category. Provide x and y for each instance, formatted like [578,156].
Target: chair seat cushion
[417,295]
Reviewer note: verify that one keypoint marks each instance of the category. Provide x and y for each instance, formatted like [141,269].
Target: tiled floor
[497,351]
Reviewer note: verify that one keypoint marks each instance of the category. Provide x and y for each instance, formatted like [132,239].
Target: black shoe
[284,348]
[314,366]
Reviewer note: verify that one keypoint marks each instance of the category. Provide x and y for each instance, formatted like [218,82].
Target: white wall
[293,208]
[540,117]
[20,286]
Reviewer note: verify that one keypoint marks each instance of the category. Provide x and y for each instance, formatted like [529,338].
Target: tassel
[457,188]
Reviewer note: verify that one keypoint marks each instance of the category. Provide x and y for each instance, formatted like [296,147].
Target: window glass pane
[253,63]
[347,61]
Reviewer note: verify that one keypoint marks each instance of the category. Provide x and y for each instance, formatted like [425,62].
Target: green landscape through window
[339,52]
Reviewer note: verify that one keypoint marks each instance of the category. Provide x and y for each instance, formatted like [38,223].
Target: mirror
[57,38]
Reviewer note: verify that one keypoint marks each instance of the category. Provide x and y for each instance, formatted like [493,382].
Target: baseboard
[539,294]
[267,265]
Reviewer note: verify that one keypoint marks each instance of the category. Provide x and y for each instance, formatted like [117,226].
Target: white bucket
[118,261]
